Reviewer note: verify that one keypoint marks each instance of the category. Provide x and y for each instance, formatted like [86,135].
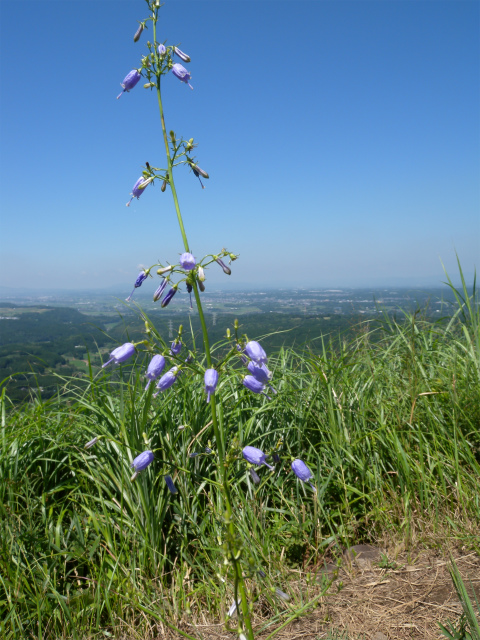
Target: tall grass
[388,422]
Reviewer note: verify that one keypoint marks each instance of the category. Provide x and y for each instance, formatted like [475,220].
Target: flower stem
[231,533]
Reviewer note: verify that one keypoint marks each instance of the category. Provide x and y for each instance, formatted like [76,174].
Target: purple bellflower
[255,352]
[255,456]
[169,482]
[155,368]
[169,296]
[200,172]
[181,55]
[162,50]
[166,381]
[141,462]
[129,81]
[211,381]
[254,385]
[181,73]
[142,276]
[176,347]
[261,373]
[139,188]
[301,470]
[120,354]
[187,261]
[226,269]
[160,290]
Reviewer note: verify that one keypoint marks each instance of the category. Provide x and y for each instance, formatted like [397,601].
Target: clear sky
[341,138]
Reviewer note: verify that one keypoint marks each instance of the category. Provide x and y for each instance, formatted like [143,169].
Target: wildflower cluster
[245,361]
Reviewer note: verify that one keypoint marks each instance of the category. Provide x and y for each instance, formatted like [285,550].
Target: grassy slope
[389,427]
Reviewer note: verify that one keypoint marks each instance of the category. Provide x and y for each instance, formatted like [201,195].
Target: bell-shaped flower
[169,296]
[187,261]
[176,347]
[166,381]
[129,81]
[91,443]
[226,269]
[139,188]
[211,381]
[155,368]
[254,385]
[142,276]
[255,456]
[199,172]
[181,73]
[162,50]
[261,373]
[141,462]
[301,470]
[181,55]
[169,482]
[255,352]
[158,293]
[120,354]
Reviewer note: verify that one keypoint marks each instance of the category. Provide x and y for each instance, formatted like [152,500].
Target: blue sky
[341,138]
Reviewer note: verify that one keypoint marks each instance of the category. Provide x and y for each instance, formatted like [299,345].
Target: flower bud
[148,85]
[158,293]
[201,274]
[169,482]
[164,186]
[90,444]
[255,476]
[138,32]
[175,347]
[163,270]
[226,269]
[201,286]
[162,50]
[181,55]
[169,296]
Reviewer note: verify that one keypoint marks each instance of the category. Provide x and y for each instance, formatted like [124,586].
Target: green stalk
[234,552]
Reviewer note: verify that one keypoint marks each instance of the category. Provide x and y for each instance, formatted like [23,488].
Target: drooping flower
[226,269]
[255,476]
[138,32]
[166,381]
[261,373]
[301,470]
[182,74]
[189,291]
[160,290]
[162,50]
[187,261]
[142,276]
[255,456]
[199,172]
[90,444]
[155,368]
[142,461]
[139,188]
[211,381]
[169,482]
[254,385]
[176,347]
[181,55]
[120,354]
[255,352]
[169,296]
[129,81]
